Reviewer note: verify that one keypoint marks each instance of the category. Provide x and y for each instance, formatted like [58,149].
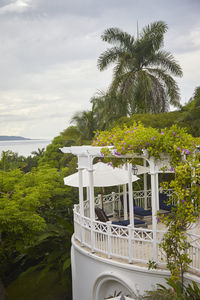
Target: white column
[80,178]
[99,200]
[125,202]
[130,193]
[154,208]
[157,192]
[92,212]
[91,189]
[87,192]
[145,186]
[119,203]
[113,203]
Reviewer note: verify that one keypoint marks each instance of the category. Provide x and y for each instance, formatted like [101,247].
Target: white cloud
[18,6]
[49,52]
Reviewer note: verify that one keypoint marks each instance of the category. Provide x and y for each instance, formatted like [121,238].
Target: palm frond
[171,87]
[115,35]
[166,60]
[108,57]
[158,96]
[154,33]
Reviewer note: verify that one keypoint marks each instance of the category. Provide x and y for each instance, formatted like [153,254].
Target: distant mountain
[12,138]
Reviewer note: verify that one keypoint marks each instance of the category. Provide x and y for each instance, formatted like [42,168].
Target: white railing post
[130,245]
[109,223]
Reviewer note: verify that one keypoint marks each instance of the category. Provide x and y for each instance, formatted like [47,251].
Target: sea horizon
[24,147]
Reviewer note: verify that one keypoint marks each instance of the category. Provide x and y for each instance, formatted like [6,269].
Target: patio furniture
[139,212]
[104,218]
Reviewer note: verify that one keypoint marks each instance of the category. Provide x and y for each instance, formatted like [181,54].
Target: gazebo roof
[83,152]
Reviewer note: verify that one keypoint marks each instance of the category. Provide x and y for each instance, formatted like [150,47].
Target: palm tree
[85,123]
[39,153]
[143,72]
[107,107]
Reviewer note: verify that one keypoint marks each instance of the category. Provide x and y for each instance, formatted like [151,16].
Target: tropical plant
[107,108]
[39,152]
[143,72]
[174,291]
[50,251]
[85,123]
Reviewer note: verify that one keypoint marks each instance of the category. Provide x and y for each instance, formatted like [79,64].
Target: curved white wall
[95,277]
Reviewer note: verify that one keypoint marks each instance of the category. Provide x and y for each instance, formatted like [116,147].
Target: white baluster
[109,224]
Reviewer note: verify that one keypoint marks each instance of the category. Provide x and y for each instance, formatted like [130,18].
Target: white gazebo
[115,257]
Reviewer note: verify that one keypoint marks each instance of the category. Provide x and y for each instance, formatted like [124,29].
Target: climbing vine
[184,155]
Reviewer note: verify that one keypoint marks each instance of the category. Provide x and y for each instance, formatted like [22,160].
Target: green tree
[108,108]
[11,160]
[143,72]
[39,152]
[85,124]
[53,155]
[192,113]
[35,208]
[19,218]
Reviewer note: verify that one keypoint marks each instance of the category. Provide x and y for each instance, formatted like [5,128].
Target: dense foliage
[135,139]
[107,112]
[188,117]
[36,219]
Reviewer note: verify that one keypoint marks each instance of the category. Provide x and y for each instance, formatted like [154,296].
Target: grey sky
[49,51]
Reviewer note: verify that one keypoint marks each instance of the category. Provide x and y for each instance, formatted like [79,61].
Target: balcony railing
[127,244]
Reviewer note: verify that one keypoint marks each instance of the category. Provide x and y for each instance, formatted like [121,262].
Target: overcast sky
[49,51]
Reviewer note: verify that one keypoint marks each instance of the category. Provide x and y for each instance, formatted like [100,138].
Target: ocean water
[23,147]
